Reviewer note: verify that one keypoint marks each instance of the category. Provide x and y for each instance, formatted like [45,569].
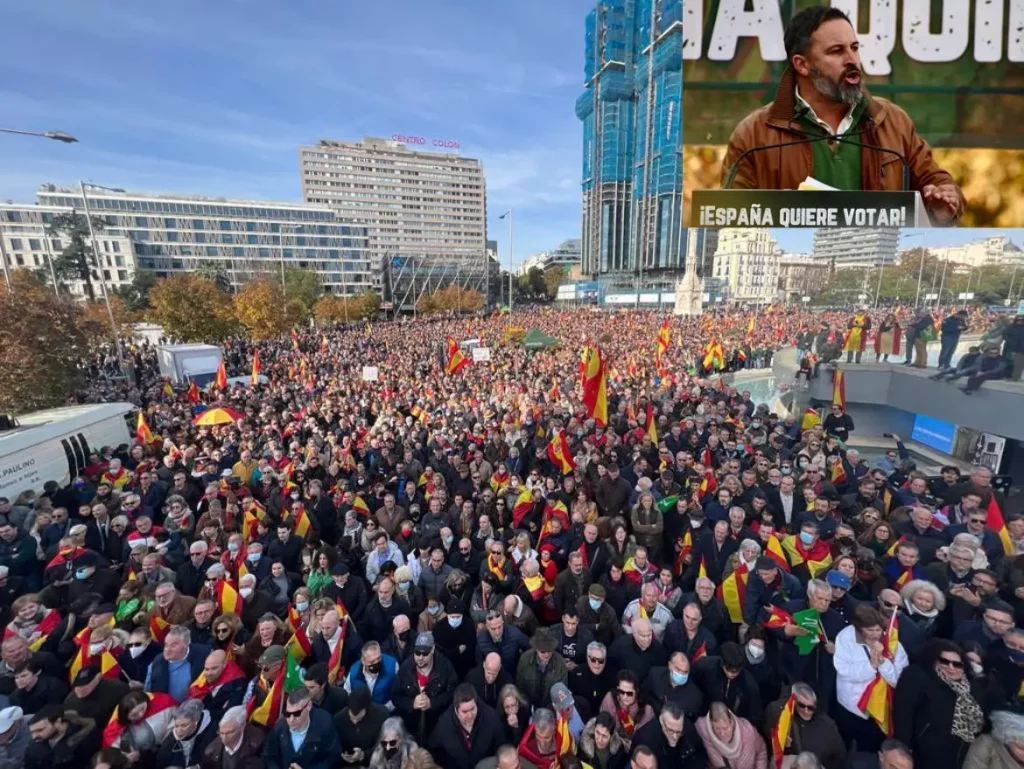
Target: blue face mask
[595,604]
[1016,656]
[232,547]
[403,586]
[454,621]
[254,557]
[433,609]
[806,538]
[679,679]
[82,574]
[302,605]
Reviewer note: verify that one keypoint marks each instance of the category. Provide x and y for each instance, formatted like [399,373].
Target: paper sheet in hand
[810,183]
[809,620]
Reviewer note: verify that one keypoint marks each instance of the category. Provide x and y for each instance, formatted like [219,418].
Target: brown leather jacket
[784,168]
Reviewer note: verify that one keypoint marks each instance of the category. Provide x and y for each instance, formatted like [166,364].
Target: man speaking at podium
[821,97]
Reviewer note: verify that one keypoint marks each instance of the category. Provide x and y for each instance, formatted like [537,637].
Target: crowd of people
[468,569]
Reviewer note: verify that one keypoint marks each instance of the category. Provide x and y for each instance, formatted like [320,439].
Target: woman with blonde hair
[514,712]
[730,740]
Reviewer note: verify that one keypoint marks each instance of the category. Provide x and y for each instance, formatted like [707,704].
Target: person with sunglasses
[304,736]
[937,710]
[423,688]
[810,730]
[395,748]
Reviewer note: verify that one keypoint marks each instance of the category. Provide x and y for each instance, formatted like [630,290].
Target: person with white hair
[238,745]
[1003,748]
[191,732]
[394,746]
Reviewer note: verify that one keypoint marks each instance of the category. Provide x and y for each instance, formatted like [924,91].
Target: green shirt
[837,166]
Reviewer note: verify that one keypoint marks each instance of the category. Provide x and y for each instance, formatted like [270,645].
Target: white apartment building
[992,250]
[567,256]
[841,248]
[425,212]
[746,263]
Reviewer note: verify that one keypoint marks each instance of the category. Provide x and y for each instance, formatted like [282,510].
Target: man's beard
[838,90]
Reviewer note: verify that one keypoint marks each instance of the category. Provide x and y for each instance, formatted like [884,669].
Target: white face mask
[135,651]
[95,649]
[245,591]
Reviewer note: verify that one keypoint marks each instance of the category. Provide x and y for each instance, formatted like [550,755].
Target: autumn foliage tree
[97,319]
[343,309]
[41,338]
[192,308]
[263,311]
[452,298]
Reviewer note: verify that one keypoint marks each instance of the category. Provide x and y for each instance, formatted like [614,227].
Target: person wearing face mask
[399,643]
[672,683]
[348,588]
[134,659]
[375,672]
[407,589]
[596,616]
[764,669]
[455,636]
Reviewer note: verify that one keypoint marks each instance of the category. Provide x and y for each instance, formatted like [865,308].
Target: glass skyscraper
[632,138]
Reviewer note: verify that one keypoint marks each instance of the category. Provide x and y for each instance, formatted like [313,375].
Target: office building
[566,256]
[425,213]
[169,234]
[800,275]
[746,265]
[632,138]
[842,248]
[992,250]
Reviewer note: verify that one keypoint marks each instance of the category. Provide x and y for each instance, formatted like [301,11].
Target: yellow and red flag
[302,523]
[158,628]
[288,680]
[750,328]
[221,382]
[664,340]
[733,592]
[256,367]
[811,419]
[360,506]
[839,388]
[779,617]
[560,455]
[780,734]
[773,549]
[838,473]
[554,393]
[703,570]
[997,523]
[455,360]
[142,432]
[564,743]
[652,425]
[685,546]
[193,393]
[523,505]
[876,702]
[168,389]
[595,385]
[228,599]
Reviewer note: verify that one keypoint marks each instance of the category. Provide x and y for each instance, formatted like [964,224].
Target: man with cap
[842,602]
[269,664]
[14,738]
[767,585]
[540,668]
[564,705]
[468,732]
[422,691]
[93,694]
[92,577]
[596,616]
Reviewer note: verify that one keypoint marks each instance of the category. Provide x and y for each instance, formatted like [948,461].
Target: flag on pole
[142,432]
[664,341]
[997,523]
[652,427]
[780,734]
[595,385]
[839,388]
[750,328]
[288,680]
[455,359]
[222,377]
[811,419]
[256,367]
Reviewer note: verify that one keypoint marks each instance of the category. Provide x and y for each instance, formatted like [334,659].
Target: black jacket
[689,752]
[689,697]
[191,578]
[352,595]
[440,684]
[72,751]
[360,735]
[454,749]
[449,639]
[624,654]
[349,652]
[922,713]
[741,694]
[172,752]
[589,688]
[376,623]
[47,691]
[488,693]
[819,735]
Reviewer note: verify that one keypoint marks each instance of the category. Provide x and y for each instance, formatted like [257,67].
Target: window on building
[16,243]
[35,244]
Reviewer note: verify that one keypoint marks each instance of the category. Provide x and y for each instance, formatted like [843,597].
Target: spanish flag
[302,524]
[228,599]
[996,523]
[773,549]
[876,702]
[703,571]
[554,393]
[892,548]
[664,340]
[685,546]
[714,356]
[811,419]
[750,327]
[700,653]
[221,380]
[733,592]
[335,669]
[168,390]
[564,743]
[417,413]
[903,579]
[839,388]
[595,385]
[523,505]
[779,617]
[158,628]
[193,393]
[838,473]
[652,426]
[560,455]
[288,680]
[780,733]
[455,360]
[108,663]
[142,432]
[360,506]
[256,367]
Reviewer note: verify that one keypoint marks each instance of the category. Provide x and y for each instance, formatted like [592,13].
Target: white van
[54,445]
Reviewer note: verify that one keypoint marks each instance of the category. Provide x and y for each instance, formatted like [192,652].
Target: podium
[807,208]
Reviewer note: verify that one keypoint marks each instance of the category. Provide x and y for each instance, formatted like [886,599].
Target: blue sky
[215,96]
[800,240]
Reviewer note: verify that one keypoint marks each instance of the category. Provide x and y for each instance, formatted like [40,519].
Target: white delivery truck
[183,363]
[54,445]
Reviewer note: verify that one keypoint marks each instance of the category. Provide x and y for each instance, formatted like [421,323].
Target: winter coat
[439,687]
[987,753]
[456,752]
[248,756]
[319,750]
[689,752]
[819,735]
[172,753]
[512,643]
[617,757]
[753,753]
[536,685]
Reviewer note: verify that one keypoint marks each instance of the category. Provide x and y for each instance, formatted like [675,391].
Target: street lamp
[99,269]
[508,215]
[59,136]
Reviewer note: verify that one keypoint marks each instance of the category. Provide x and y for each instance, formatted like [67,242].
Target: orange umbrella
[217,416]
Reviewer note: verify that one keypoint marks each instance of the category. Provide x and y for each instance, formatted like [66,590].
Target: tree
[96,319]
[192,308]
[553,277]
[262,309]
[217,273]
[136,295]
[536,282]
[78,258]
[344,309]
[303,285]
[452,298]
[41,339]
